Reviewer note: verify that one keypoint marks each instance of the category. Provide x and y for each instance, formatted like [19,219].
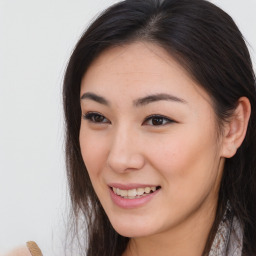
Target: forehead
[137,69]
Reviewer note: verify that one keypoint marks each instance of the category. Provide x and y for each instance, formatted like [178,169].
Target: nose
[125,152]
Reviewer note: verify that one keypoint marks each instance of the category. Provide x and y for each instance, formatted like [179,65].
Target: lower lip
[131,203]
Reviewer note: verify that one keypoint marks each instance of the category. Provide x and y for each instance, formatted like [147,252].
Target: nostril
[127,161]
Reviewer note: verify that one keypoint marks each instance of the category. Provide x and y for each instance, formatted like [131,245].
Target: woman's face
[149,141]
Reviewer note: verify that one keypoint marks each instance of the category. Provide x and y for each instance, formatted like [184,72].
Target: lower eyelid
[165,119]
[89,115]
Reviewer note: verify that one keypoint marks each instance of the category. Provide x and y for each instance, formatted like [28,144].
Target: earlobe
[235,129]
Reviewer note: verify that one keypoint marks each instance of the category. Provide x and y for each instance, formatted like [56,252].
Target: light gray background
[36,39]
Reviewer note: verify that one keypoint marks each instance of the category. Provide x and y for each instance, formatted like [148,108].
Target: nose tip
[124,163]
[124,158]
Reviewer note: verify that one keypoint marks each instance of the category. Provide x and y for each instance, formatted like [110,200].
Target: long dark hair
[208,44]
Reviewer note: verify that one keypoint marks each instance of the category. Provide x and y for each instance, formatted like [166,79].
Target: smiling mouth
[134,193]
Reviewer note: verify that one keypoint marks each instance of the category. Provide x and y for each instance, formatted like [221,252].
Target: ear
[235,129]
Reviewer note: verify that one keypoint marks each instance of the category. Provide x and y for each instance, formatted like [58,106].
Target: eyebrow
[139,102]
[95,97]
[157,97]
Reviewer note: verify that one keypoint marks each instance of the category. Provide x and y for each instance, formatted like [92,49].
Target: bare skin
[178,152]
[19,251]
[31,249]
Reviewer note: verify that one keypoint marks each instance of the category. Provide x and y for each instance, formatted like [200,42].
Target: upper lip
[130,185]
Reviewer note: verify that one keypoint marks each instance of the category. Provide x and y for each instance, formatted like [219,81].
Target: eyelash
[90,116]
[164,119]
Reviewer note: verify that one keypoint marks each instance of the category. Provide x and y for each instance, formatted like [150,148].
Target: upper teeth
[133,192]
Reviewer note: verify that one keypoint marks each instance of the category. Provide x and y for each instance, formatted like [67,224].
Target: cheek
[189,175]
[93,150]
[186,163]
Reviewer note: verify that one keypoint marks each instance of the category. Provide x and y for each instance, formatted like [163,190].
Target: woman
[31,249]
[159,99]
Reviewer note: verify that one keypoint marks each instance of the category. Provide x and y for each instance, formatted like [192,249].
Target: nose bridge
[124,153]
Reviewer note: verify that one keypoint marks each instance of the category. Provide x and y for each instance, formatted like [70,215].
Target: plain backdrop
[36,39]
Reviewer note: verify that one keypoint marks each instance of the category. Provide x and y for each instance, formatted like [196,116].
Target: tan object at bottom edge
[34,249]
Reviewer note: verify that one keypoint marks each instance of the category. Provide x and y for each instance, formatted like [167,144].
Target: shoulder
[19,251]
[30,250]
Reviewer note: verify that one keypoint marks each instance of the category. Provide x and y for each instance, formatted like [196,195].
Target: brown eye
[95,118]
[98,118]
[157,120]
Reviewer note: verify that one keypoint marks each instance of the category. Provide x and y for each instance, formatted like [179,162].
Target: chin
[132,231]
[132,228]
